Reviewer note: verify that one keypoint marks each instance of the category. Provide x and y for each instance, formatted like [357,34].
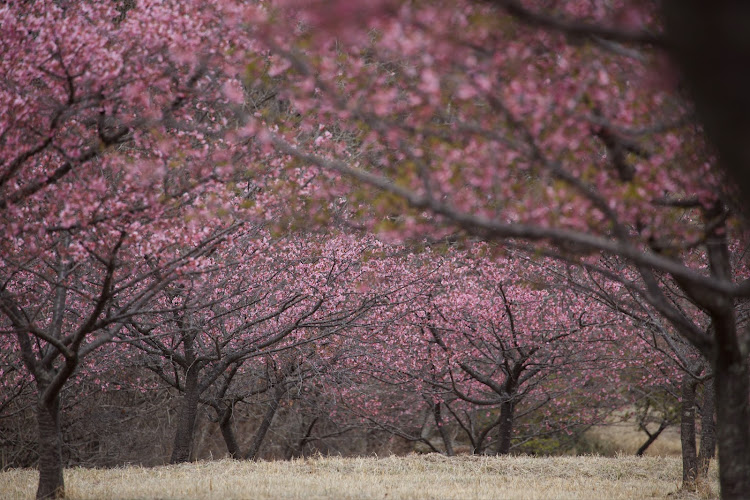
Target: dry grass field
[410,477]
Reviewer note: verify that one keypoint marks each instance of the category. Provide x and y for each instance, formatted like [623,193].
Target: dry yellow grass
[411,477]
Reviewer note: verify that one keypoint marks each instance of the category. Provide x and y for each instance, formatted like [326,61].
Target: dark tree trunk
[479,436]
[50,451]
[227,432]
[505,429]
[442,430]
[727,352]
[183,439]
[708,41]
[732,423]
[708,430]
[652,436]
[296,450]
[265,424]
[687,434]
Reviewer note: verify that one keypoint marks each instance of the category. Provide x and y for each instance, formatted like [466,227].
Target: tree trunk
[51,484]
[183,439]
[505,429]
[447,441]
[296,450]
[708,430]
[651,437]
[227,432]
[687,434]
[265,424]
[732,423]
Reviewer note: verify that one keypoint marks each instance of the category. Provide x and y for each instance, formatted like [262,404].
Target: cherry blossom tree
[243,328]
[519,347]
[675,370]
[125,134]
[107,181]
[61,307]
[491,335]
[539,125]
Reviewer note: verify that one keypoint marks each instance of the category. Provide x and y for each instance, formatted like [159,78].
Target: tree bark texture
[505,429]
[732,423]
[183,440]
[51,484]
[708,430]
[227,432]
[687,434]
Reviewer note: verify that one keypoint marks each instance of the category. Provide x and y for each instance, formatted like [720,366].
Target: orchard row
[435,210]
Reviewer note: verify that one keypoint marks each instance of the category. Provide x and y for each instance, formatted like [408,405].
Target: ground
[410,477]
